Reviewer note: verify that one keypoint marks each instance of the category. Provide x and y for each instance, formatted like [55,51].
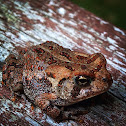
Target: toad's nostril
[104,79]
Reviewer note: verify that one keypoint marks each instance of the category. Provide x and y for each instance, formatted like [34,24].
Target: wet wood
[26,22]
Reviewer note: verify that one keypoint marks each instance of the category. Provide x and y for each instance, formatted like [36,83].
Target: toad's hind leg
[12,74]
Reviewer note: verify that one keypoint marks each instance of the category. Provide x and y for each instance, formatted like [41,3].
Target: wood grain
[26,22]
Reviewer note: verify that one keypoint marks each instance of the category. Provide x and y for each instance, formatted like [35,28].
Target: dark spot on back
[81,57]
[51,60]
[49,74]
[70,68]
[92,59]
[66,55]
[89,61]
[39,50]
[83,67]
[51,47]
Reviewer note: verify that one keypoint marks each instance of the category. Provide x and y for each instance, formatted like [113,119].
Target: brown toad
[53,76]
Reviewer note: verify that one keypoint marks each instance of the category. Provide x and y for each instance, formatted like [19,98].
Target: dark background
[113,11]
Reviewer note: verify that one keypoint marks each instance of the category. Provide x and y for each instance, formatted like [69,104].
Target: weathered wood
[25,23]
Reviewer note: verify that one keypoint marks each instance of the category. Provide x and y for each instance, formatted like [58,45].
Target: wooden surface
[28,22]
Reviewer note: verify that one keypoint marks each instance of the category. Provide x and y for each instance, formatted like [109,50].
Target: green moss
[8,15]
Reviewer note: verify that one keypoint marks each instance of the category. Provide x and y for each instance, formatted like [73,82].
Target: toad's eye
[83,81]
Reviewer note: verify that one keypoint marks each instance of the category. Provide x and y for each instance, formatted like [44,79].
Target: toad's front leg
[45,102]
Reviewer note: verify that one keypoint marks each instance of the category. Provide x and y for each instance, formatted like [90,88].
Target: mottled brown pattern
[51,75]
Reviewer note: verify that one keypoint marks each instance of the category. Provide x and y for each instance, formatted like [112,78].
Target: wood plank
[26,23]
[82,35]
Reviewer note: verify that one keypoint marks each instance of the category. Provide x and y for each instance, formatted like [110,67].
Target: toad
[52,76]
